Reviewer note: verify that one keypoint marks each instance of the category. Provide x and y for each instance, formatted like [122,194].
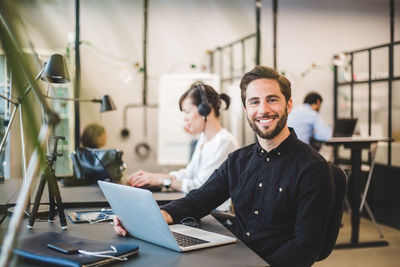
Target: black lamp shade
[56,70]
[107,104]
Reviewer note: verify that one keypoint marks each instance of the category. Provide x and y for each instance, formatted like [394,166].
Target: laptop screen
[344,127]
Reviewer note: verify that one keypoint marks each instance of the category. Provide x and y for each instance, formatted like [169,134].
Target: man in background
[307,122]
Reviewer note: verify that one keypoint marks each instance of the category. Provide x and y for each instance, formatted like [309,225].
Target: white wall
[180,32]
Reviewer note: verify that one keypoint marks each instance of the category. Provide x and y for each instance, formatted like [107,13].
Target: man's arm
[197,203]
[200,202]
[315,201]
[322,131]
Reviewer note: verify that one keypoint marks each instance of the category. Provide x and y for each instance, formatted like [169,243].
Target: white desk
[237,254]
[73,196]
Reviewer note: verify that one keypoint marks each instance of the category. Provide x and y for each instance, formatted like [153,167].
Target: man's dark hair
[312,98]
[261,72]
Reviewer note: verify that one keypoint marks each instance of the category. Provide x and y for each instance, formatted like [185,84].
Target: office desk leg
[354,193]
[355,200]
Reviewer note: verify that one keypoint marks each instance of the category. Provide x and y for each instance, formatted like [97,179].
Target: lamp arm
[41,72]
[74,99]
[3,141]
[36,78]
[9,100]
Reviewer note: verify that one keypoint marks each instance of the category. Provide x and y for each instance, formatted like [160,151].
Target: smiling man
[281,189]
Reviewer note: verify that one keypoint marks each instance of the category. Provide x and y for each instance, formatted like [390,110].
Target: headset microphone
[204,107]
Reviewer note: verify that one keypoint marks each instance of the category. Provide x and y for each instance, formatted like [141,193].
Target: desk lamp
[20,66]
[107,104]
[54,71]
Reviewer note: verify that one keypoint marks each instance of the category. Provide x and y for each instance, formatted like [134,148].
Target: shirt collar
[283,147]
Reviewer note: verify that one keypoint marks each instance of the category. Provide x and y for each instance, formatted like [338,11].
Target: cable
[190,221]
[101,254]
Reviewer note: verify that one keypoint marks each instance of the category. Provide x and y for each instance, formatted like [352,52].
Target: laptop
[344,127]
[141,216]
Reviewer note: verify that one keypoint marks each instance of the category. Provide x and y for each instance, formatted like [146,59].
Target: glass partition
[380,63]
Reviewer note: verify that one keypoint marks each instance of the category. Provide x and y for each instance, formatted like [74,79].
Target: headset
[204,107]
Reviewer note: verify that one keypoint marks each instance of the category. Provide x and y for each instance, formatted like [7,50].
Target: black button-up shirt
[282,200]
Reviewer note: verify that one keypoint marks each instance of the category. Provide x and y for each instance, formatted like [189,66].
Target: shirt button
[260,185]
[280,189]
[279,153]
[262,151]
[267,159]
[248,234]
[256,212]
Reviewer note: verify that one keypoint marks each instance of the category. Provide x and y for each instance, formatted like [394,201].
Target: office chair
[225,217]
[335,219]
[317,145]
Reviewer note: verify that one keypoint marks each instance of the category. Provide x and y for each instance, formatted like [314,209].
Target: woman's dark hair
[261,72]
[90,135]
[213,98]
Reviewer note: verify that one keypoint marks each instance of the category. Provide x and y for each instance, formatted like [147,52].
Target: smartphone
[63,247]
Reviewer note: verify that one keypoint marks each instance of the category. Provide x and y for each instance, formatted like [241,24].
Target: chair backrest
[335,219]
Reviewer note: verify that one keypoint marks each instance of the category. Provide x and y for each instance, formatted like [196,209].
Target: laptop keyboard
[186,241]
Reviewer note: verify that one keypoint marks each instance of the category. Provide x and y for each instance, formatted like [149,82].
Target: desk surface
[74,196]
[237,254]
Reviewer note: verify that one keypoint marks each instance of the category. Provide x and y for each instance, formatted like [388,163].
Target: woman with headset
[201,107]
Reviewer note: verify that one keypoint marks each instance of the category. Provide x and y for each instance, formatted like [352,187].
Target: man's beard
[270,133]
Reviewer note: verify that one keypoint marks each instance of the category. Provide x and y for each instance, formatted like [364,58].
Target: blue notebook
[35,250]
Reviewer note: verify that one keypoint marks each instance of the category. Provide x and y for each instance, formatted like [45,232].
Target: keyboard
[187,241]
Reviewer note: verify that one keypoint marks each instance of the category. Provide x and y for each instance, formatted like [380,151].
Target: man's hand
[167,217]
[120,229]
[143,178]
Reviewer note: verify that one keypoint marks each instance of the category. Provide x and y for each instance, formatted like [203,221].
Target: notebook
[141,216]
[344,127]
[34,249]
